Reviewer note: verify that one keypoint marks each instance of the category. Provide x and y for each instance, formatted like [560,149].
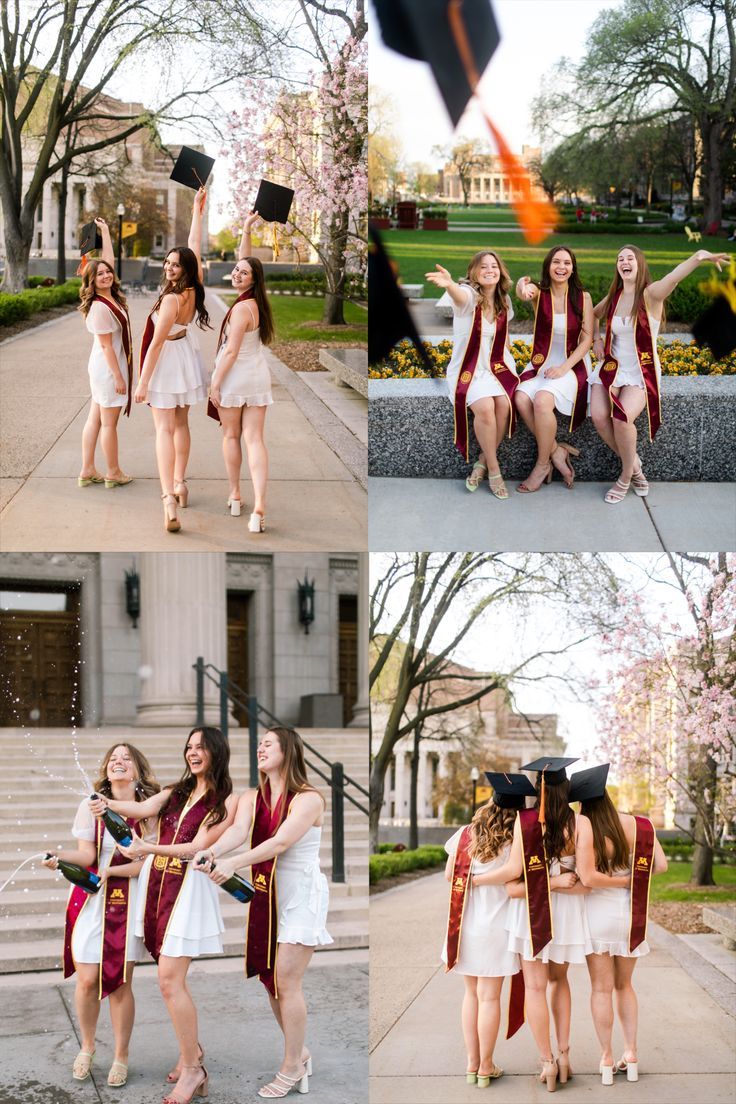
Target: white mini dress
[195,927]
[87,934]
[608,915]
[483,950]
[180,377]
[101,320]
[302,893]
[484,384]
[248,382]
[571,940]
[623,348]
[565,388]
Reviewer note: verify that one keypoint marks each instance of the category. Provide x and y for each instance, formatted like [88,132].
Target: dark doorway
[238,614]
[348,659]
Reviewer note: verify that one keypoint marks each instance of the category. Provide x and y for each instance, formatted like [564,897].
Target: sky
[534,35]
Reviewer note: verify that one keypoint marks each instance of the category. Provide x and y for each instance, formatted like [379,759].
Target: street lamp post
[121,212]
[474,776]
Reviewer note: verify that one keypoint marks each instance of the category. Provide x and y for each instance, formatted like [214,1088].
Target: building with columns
[77,651]
[489,183]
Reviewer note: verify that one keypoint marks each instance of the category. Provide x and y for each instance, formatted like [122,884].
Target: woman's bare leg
[254,419]
[536,976]
[165,423]
[292,960]
[182,443]
[484,425]
[560,1002]
[109,418]
[232,452]
[545,425]
[122,1015]
[172,980]
[489,1018]
[90,433]
[627,1005]
[633,400]
[469,1020]
[525,407]
[87,1003]
[600,412]
[600,968]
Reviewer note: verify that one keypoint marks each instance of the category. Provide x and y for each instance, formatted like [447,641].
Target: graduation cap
[192,168]
[388,316]
[89,238]
[457,40]
[509,790]
[586,785]
[273,201]
[551,767]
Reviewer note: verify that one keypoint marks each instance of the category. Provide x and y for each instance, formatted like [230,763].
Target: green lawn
[679,872]
[295,317]
[481,214]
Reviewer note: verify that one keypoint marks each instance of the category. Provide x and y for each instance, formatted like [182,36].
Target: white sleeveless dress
[608,915]
[565,388]
[302,893]
[101,320]
[195,927]
[87,934]
[484,384]
[570,937]
[248,382]
[180,377]
[483,948]
[623,347]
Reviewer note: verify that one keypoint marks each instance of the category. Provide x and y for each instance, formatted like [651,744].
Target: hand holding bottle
[203,861]
[137,848]
[50,862]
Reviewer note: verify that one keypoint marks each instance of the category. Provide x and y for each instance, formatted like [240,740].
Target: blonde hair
[490,830]
[500,292]
[643,280]
[145,785]
[87,291]
[294,768]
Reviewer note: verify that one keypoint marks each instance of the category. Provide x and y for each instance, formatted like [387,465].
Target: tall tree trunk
[61,244]
[375,789]
[706,781]
[333,311]
[712,137]
[18,241]
[413,818]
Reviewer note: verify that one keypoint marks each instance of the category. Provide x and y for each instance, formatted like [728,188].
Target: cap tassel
[541,801]
[275,243]
[82,265]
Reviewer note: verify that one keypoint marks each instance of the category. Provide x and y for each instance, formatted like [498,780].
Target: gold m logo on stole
[260,882]
[645,356]
[609,366]
[534,861]
[538,358]
[466,377]
[175,866]
[496,368]
[642,861]
[117,895]
[459,883]
[160,862]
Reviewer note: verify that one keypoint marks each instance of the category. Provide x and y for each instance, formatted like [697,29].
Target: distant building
[488,181]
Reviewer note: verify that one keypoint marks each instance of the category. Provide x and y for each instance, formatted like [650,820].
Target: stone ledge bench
[348,366]
[722,918]
[410,426]
[412,291]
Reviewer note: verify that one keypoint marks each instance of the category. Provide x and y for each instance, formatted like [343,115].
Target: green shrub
[15,308]
[687,302]
[388,864]
[38,281]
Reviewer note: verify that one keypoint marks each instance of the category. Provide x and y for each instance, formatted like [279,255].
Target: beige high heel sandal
[175,1074]
[563,1065]
[182,496]
[524,488]
[82,1065]
[283,1084]
[202,1088]
[568,472]
[171,517]
[549,1073]
[118,1075]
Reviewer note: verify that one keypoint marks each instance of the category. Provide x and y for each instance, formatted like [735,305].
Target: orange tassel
[541,801]
[202,201]
[82,265]
[536,216]
[275,243]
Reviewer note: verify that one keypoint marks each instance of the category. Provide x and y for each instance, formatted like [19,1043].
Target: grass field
[662,888]
[296,318]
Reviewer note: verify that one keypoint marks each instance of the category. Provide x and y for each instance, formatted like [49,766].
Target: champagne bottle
[78,875]
[116,826]
[239,888]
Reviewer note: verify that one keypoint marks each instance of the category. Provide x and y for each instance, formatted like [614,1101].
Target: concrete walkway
[686,1035]
[316,497]
[439,515]
[40,1038]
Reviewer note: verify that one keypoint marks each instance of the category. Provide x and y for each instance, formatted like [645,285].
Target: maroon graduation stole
[543,329]
[123,318]
[536,880]
[178,823]
[146,339]
[212,411]
[113,965]
[641,874]
[516,1012]
[645,354]
[261,933]
[498,367]
[458,896]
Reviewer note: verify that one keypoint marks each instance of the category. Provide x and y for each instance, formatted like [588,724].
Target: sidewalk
[686,1037]
[439,515]
[316,495]
[242,1042]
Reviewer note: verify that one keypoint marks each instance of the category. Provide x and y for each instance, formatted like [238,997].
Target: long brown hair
[266,329]
[219,782]
[490,830]
[87,291]
[188,279]
[643,280]
[294,769]
[605,822]
[145,784]
[559,826]
[500,293]
[573,282]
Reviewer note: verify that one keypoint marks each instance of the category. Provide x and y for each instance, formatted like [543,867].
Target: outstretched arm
[245,249]
[236,832]
[442,279]
[141,810]
[107,254]
[660,289]
[195,230]
[526,289]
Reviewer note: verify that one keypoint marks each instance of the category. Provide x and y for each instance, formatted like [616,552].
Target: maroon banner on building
[212,411]
[536,880]
[261,937]
[458,896]
[645,353]
[641,876]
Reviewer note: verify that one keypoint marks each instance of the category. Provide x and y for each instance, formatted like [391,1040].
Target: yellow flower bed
[677,359]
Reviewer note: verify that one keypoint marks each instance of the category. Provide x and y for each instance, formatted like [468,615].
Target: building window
[160,197]
[39,213]
[158,241]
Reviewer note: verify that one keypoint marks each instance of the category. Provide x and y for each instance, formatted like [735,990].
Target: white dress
[623,347]
[248,382]
[180,377]
[570,938]
[195,926]
[302,894]
[87,934]
[565,388]
[484,384]
[608,915]
[101,320]
[483,948]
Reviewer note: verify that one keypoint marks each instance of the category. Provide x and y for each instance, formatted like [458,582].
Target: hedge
[387,864]
[15,308]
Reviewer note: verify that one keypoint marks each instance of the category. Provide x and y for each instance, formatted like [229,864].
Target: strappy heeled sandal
[118,1075]
[257,523]
[171,517]
[471,1077]
[500,489]
[202,1089]
[524,487]
[233,506]
[82,1065]
[484,1079]
[617,492]
[175,1074]
[606,1073]
[121,480]
[563,1065]
[283,1084]
[631,1069]
[640,483]
[181,496]
[567,471]
[549,1073]
[476,477]
[90,480]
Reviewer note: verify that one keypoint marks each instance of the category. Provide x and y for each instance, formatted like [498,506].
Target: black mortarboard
[423,29]
[586,785]
[716,328]
[552,766]
[509,790]
[273,201]
[192,168]
[89,238]
[388,317]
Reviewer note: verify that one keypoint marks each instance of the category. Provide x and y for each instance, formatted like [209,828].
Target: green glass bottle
[78,875]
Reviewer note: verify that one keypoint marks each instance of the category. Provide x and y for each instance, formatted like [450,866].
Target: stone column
[400,761]
[183,615]
[361,709]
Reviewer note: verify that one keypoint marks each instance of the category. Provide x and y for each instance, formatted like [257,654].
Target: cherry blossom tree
[670,711]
